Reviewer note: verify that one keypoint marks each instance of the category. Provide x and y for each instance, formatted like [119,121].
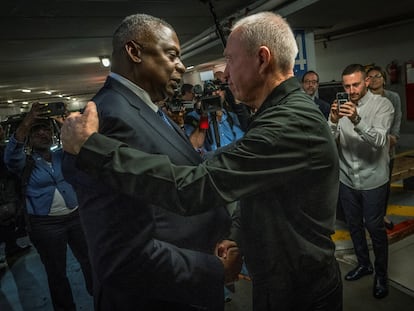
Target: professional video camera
[175,105]
[210,102]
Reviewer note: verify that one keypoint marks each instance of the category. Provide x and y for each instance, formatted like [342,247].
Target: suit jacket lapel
[175,137]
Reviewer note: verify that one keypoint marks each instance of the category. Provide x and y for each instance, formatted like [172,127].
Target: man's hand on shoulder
[78,127]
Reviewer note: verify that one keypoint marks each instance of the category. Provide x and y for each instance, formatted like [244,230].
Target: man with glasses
[310,84]
[144,257]
[361,128]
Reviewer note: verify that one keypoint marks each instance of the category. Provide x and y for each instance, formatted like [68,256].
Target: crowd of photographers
[208,114]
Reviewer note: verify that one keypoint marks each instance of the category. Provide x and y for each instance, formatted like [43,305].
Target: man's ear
[133,51]
[264,57]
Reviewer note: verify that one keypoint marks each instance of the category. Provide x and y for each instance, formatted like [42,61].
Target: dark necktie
[163,117]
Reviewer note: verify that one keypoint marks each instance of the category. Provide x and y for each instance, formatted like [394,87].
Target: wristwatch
[356,120]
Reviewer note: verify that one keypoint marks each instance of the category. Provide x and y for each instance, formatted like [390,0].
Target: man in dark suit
[144,257]
[310,84]
[284,171]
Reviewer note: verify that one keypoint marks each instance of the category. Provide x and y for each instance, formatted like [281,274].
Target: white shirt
[363,149]
[141,93]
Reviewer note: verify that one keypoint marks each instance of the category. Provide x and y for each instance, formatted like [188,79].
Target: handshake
[229,254]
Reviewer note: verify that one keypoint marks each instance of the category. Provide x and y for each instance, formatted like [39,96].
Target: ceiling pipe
[208,38]
[210,33]
[200,49]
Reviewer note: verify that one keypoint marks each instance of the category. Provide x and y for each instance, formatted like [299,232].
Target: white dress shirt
[363,149]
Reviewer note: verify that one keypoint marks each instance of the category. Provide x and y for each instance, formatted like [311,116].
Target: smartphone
[54,109]
[342,98]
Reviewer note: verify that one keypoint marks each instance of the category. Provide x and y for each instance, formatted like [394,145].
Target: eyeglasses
[377,76]
[310,81]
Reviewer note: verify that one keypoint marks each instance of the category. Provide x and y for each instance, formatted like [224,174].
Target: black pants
[391,167]
[365,209]
[308,290]
[51,235]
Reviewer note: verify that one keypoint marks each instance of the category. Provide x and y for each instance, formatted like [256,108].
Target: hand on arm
[78,127]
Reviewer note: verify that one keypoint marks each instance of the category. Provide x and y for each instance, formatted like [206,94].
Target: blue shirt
[228,129]
[44,180]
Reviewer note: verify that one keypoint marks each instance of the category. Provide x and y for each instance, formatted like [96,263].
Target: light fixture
[105,61]
[26,91]
[10,101]
[190,67]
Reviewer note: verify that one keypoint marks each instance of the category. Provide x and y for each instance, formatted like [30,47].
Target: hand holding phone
[341,98]
[54,109]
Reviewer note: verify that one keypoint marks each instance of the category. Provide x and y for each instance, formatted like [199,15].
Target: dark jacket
[285,173]
[134,244]
[324,107]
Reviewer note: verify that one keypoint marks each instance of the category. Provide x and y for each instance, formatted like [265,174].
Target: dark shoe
[380,289]
[358,273]
[389,225]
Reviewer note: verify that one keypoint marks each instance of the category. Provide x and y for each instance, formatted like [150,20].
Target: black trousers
[51,235]
[365,209]
[309,289]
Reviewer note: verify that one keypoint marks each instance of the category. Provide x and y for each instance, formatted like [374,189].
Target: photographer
[216,124]
[51,204]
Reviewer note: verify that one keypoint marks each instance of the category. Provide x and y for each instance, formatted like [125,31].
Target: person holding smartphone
[361,127]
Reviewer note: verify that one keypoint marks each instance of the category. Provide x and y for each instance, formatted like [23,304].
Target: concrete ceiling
[55,45]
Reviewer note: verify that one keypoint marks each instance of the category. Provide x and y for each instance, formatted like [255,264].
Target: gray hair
[270,30]
[136,27]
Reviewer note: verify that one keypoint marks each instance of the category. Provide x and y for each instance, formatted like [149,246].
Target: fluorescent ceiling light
[26,91]
[105,61]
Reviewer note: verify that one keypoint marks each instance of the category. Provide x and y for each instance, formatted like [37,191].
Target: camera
[175,105]
[54,109]
[342,98]
[211,103]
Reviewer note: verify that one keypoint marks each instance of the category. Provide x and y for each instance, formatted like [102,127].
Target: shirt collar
[365,98]
[141,93]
